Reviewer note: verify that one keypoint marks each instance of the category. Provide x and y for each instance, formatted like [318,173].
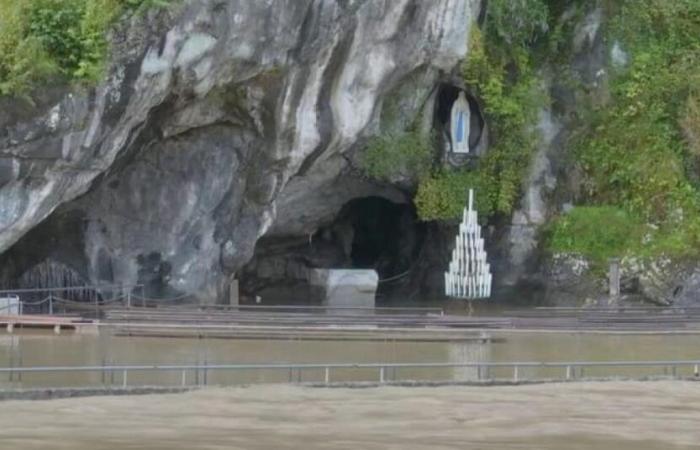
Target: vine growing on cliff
[639,153]
[499,71]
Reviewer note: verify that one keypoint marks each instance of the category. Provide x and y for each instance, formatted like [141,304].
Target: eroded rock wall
[213,118]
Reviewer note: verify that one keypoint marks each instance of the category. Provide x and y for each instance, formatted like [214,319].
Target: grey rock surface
[213,118]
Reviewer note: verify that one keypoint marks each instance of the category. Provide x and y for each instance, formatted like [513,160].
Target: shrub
[596,232]
[443,195]
[517,22]
[640,152]
[398,154]
[41,39]
[23,59]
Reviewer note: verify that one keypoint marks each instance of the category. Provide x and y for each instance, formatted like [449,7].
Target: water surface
[47,349]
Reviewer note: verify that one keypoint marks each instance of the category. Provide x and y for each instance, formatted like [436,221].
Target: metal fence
[90,300]
[198,374]
[62,300]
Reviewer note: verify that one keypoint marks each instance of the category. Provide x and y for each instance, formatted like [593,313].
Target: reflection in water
[467,352]
[46,349]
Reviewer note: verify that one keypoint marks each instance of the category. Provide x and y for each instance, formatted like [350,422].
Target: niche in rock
[367,233]
[447,96]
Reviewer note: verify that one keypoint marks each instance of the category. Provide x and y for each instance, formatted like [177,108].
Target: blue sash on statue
[460,127]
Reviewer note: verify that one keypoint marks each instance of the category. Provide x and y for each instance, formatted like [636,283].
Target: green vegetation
[598,232]
[499,71]
[42,40]
[408,153]
[640,152]
[517,23]
[442,195]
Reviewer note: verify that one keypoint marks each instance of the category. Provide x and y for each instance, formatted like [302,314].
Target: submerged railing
[198,374]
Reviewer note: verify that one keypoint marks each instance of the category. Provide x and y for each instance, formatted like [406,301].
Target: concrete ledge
[57,393]
[486,383]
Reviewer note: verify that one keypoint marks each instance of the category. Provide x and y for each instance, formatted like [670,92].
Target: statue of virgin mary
[459,125]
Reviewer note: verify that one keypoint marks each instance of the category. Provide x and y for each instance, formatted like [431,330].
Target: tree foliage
[67,39]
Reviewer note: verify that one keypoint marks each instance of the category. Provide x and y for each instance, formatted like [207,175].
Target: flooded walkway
[612,415]
[47,349]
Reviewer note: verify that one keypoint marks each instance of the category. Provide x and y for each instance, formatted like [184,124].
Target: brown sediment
[614,415]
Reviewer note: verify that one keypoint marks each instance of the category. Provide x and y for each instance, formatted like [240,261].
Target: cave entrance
[384,235]
[367,233]
[446,97]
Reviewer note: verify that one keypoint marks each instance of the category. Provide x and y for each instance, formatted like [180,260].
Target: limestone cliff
[226,140]
[218,121]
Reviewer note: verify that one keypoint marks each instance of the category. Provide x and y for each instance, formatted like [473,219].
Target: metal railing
[83,298]
[95,298]
[567,370]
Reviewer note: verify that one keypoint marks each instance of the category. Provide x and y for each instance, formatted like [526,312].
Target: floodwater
[47,349]
[661,415]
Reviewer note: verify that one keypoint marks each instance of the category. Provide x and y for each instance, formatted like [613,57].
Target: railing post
[695,370]
[327,375]
[50,304]
[128,300]
[184,377]
[124,377]
[568,372]
[381,374]
[614,278]
[515,373]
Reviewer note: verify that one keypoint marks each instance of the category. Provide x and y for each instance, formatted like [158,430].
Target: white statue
[459,124]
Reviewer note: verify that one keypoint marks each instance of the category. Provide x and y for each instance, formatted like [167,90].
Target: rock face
[213,118]
[551,184]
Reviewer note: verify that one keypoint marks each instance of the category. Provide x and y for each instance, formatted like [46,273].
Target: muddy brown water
[47,349]
[660,415]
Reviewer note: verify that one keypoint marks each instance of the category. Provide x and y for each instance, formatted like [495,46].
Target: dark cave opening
[367,233]
[446,97]
[385,235]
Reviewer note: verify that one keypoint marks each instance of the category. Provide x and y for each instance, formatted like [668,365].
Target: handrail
[523,364]
[71,288]
[483,369]
[425,309]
